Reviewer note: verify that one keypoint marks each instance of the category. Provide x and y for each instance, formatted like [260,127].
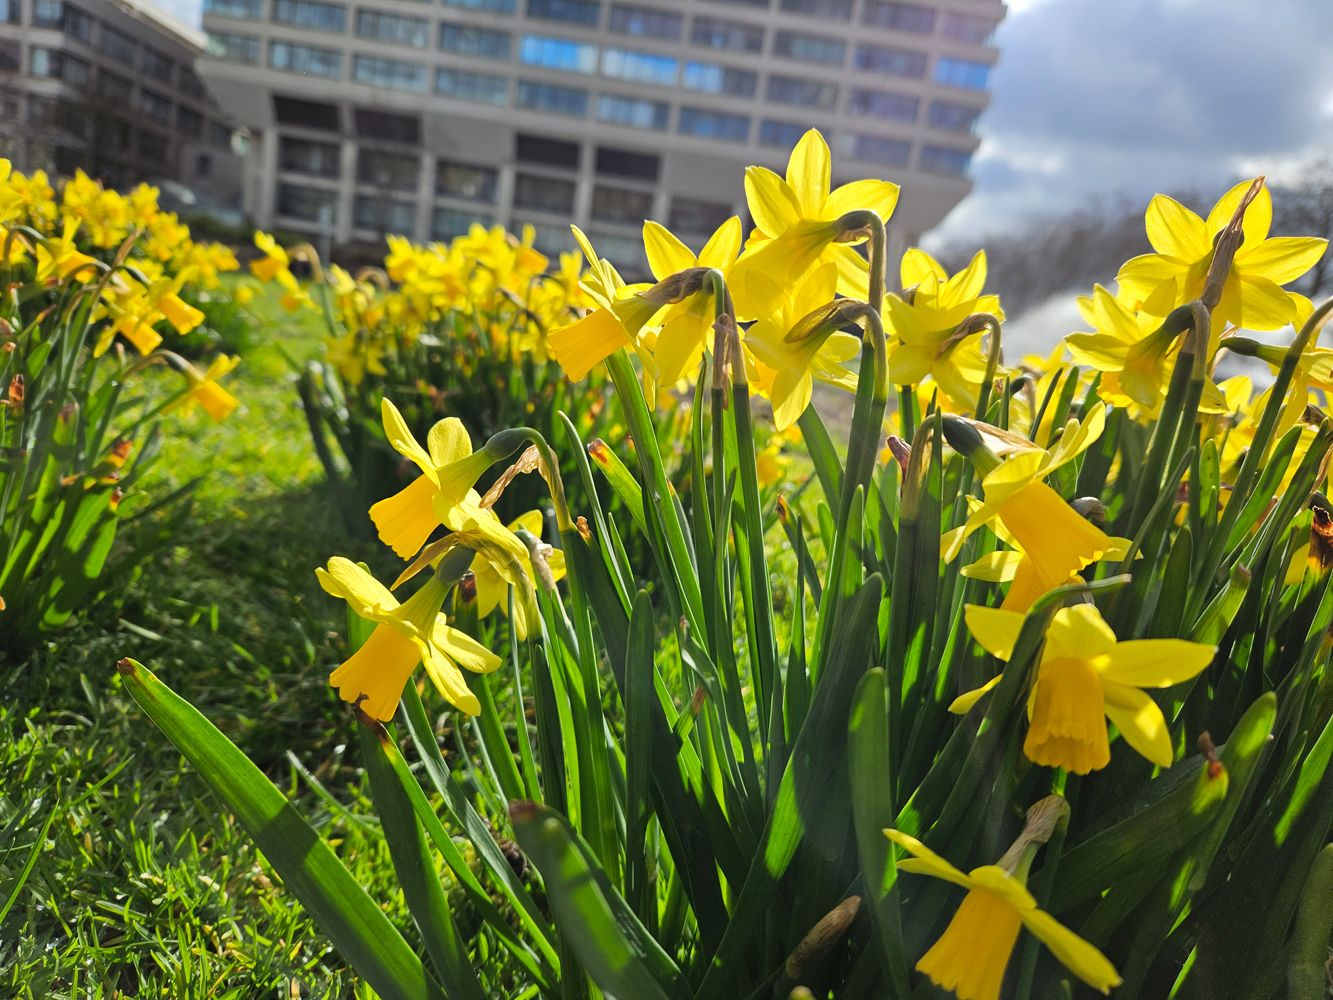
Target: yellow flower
[448,471]
[205,391]
[1084,678]
[782,369]
[58,258]
[687,324]
[771,464]
[925,324]
[353,358]
[493,587]
[795,227]
[1252,296]
[274,261]
[404,635]
[971,955]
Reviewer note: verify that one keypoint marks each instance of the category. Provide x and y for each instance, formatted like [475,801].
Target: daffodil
[686,324]
[926,324]
[274,261]
[1086,677]
[354,354]
[57,258]
[784,368]
[492,585]
[405,635]
[205,391]
[796,227]
[971,955]
[1252,296]
[770,464]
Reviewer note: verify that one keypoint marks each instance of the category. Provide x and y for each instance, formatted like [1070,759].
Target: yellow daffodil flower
[1084,678]
[686,324]
[924,324]
[205,391]
[493,587]
[274,261]
[795,227]
[57,258]
[784,370]
[404,635]
[770,464]
[971,955]
[1252,296]
[448,470]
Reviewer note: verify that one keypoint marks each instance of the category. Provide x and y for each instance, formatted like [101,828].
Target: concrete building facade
[410,116]
[109,86]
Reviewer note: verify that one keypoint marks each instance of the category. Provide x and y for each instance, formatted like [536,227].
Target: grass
[142,886]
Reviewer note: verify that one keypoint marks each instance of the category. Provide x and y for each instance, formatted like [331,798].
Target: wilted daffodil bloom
[448,471]
[686,324]
[1252,296]
[1086,677]
[796,222]
[799,342]
[205,391]
[971,955]
[925,322]
[404,635]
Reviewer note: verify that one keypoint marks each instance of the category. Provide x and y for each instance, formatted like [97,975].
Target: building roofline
[164,20]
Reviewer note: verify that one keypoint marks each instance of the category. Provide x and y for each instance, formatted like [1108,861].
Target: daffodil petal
[925,861]
[345,579]
[1077,955]
[1139,720]
[964,702]
[401,438]
[1176,231]
[666,253]
[1283,258]
[1156,663]
[994,629]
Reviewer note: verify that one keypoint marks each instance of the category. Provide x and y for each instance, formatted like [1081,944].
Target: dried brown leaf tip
[584,531]
[529,461]
[1321,539]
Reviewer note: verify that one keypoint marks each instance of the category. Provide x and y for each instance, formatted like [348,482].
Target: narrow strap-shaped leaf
[639,696]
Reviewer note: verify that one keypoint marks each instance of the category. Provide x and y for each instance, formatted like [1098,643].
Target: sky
[1099,99]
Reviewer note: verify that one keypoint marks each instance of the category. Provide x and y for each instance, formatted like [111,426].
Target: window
[547,97]
[942,160]
[448,223]
[633,112]
[9,11]
[810,48]
[302,156]
[891,62]
[760,4]
[883,104]
[112,133]
[155,106]
[249,9]
[72,118]
[398,171]
[952,117]
[41,110]
[116,45]
[625,163]
[391,28]
[587,12]
[718,34]
[465,41]
[648,22]
[189,122]
[306,114]
[549,239]
[714,125]
[11,58]
[494,6]
[384,215]
[203,165]
[877,149]
[310,204]
[392,73]
[551,152]
[47,13]
[58,65]
[962,73]
[546,194]
[625,252]
[691,215]
[156,65]
[153,146]
[233,48]
[613,204]
[783,135]
[908,17]
[465,181]
[806,93]
[829,10]
[78,24]
[641,67]
[558,53]
[222,137]
[190,85]
[114,88]
[969,28]
[306,59]
[464,86]
[56,14]
[311,14]
[375,124]
[713,79]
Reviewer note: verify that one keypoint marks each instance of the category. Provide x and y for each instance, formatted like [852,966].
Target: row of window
[657,22]
[111,134]
[75,23]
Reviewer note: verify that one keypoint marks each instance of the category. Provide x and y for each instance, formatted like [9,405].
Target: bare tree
[1305,208]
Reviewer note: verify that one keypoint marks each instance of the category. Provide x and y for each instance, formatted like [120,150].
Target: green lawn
[143,887]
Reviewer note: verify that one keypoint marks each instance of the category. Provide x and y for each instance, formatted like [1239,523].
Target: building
[405,116]
[109,86]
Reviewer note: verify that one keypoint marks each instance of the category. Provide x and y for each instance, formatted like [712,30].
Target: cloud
[1134,96]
